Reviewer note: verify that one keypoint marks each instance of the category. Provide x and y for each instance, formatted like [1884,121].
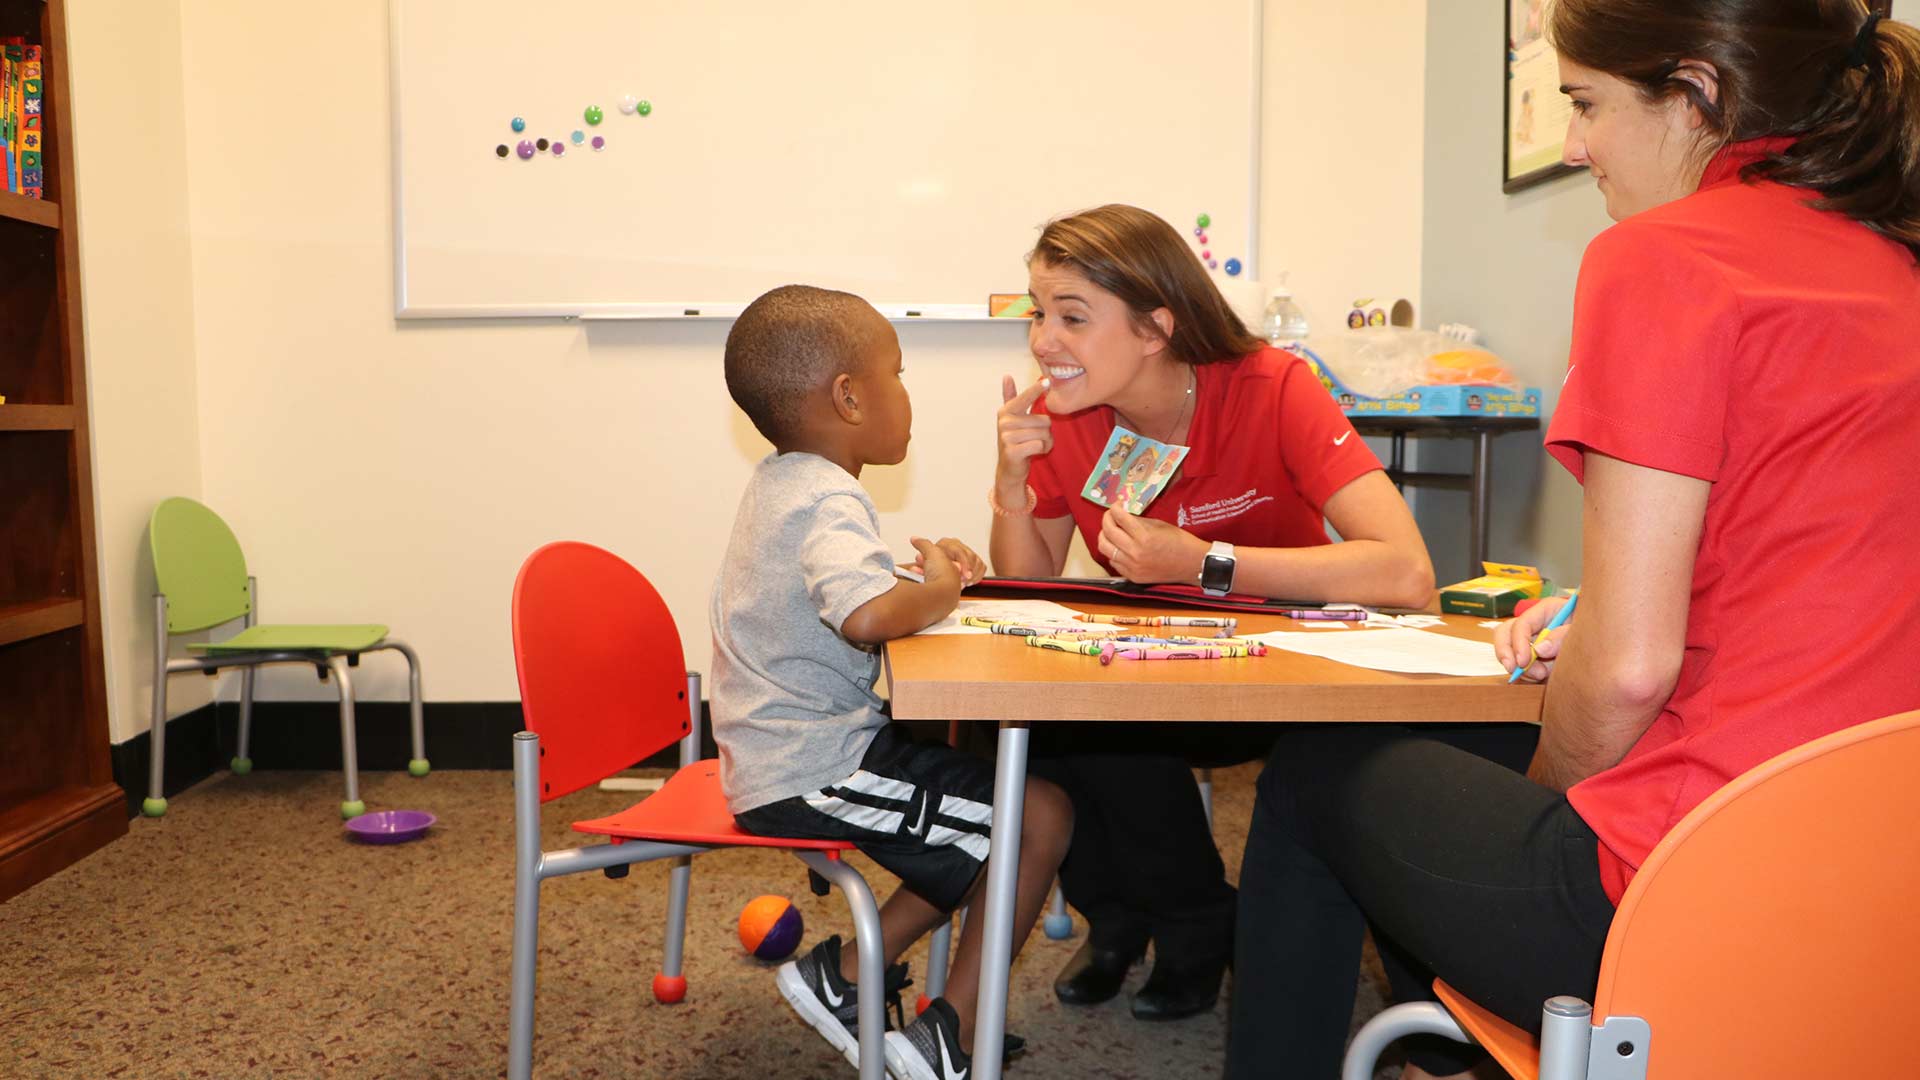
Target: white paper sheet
[1403,649]
[1032,612]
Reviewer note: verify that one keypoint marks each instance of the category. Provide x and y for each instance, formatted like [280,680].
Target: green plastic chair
[203,583]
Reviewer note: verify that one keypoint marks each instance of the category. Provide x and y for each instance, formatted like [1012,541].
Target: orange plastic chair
[603,684]
[1771,934]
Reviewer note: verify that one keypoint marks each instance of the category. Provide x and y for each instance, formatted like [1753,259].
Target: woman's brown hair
[1143,261]
[1810,70]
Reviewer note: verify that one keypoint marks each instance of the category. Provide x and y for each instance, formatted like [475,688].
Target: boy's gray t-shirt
[794,706]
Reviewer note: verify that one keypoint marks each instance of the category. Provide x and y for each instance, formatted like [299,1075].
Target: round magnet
[645,108]
[1203,221]
[1213,264]
[1233,267]
[628,104]
[1198,231]
[525,149]
[1207,255]
[502,150]
[559,148]
[578,137]
[519,124]
[593,114]
[542,144]
[599,143]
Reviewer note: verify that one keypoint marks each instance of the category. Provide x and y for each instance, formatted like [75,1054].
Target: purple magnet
[1212,265]
[1199,232]
[559,148]
[599,143]
[525,149]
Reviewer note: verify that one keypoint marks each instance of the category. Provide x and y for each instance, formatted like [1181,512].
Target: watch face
[1216,574]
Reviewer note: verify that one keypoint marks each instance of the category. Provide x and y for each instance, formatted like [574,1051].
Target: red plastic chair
[603,684]
[1769,935]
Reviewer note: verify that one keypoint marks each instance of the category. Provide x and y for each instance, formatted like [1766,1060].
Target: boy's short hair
[785,345]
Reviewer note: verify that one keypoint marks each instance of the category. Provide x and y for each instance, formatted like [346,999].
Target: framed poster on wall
[1536,112]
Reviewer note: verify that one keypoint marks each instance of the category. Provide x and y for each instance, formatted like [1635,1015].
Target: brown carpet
[243,935]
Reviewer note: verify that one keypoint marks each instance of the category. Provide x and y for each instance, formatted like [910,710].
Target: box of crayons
[1493,594]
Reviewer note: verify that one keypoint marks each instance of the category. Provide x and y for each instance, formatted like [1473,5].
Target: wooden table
[962,677]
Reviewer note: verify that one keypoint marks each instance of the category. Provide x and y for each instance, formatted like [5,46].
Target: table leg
[1480,497]
[1003,873]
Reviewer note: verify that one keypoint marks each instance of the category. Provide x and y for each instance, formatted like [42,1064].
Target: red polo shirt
[1744,338]
[1270,447]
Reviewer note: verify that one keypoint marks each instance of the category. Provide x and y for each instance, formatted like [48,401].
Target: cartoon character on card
[1133,493]
[1162,476]
[1109,482]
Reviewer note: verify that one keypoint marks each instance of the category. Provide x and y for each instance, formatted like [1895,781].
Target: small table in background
[1478,484]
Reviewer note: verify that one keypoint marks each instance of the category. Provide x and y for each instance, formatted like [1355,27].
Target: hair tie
[1857,56]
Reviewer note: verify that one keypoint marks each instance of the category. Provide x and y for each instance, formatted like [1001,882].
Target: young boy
[805,598]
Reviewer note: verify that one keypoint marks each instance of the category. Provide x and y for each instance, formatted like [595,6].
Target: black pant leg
[1465,868]
[1091,878]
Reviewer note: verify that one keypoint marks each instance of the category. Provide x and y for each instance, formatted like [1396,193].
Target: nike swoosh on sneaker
[827,993]
[1341,439]
[946,1064]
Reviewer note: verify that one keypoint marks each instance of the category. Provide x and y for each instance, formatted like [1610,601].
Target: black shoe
[813,986]
[1177,993]
[930,1047]
[1093,975]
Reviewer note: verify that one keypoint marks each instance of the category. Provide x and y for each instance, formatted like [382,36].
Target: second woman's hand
[1023,435]
[1148,551]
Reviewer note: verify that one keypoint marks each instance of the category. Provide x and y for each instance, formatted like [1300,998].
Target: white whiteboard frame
[729,309]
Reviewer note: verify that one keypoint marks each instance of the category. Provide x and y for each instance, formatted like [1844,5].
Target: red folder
[1121,588]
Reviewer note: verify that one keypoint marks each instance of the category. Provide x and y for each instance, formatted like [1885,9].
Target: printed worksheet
[1401,648]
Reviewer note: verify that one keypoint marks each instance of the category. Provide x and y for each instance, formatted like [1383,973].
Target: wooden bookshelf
[58,801]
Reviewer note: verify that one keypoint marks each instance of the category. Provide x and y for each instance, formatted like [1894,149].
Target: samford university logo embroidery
[1220,509]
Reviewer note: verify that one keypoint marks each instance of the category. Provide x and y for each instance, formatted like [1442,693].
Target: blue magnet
[578,137]
[1233,267]
[519,124]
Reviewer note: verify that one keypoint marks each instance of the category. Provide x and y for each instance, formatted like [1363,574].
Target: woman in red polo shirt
[1128,329]
[1739,408]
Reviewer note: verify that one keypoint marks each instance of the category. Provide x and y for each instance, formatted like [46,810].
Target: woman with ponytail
[1740,408]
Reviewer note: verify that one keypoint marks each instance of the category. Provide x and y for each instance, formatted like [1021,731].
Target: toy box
[1430,400]
[1493,594]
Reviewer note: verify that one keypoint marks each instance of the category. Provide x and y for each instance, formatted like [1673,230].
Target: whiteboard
[905,152]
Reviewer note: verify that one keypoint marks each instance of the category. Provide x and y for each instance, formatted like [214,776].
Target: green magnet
[593,114]
[1203,220]
[645,108]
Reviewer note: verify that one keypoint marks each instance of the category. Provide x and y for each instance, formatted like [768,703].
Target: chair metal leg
[418,765]
[526,902]
[1058,924]
[1566,1036]
[155,803]
[670,986]
[349,756]
[866,929]
[1398,1022]
[241,763]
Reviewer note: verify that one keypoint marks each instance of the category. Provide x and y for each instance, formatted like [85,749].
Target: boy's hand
[971,566]
[1023,437]
[936,565]
[1149,551]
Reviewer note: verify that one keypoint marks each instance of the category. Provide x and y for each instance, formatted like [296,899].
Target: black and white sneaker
[814,987]
[930,1047]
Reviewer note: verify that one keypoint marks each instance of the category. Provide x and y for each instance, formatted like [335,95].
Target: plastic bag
[1388,360]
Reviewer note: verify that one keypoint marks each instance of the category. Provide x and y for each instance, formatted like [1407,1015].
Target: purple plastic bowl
[390,826]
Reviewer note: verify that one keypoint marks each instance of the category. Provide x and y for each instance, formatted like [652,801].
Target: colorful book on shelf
[6,110]
[32,151]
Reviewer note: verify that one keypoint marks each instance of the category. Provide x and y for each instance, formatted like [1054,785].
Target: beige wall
[1505,264]
[401,472]
[136,286]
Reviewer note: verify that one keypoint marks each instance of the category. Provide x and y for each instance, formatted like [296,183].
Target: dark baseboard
[306,735]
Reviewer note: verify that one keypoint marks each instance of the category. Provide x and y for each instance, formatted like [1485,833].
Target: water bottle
[1284,324]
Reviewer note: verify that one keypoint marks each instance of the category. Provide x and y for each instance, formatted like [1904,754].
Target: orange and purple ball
[770,927]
